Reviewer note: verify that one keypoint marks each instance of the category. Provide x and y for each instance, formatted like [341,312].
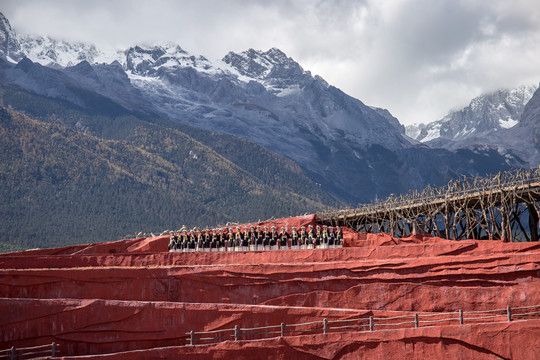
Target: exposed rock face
[149,298]
[9,45]
[531,116]
[272,67]
[146,61]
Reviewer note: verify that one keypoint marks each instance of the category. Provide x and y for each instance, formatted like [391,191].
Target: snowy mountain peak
[57,53]
[43,50]
[273,66]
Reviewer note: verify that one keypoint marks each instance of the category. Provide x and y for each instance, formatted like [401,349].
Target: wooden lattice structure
[504,206]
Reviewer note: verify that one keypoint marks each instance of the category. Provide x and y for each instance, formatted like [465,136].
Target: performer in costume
[283,239]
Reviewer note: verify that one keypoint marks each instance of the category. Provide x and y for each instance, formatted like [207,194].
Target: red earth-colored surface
[133,299]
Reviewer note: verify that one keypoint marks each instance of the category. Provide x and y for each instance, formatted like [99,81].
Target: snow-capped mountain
[171,76]
[57,53]
[352,150]
[484,116]
[47,51]
[268,98]
[522,140]
[266,89]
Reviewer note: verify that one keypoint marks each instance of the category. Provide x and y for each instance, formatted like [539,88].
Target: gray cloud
[418,58]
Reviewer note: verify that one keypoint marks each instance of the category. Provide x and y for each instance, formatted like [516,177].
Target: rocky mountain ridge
[354,151]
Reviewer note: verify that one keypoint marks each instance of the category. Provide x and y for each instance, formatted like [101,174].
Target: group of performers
[255,238]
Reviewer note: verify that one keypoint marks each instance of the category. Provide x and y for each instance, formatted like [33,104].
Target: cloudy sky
[417,58]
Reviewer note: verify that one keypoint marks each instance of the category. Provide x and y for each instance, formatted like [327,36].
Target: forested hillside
[71,175]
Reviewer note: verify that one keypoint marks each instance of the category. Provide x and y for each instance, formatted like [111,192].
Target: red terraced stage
[133,298]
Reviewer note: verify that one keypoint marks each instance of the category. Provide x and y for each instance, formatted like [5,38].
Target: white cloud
[417,58]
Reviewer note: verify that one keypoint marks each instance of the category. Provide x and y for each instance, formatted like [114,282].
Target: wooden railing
[30,352]
[370,323]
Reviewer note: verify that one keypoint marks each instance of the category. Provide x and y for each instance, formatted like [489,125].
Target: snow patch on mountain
[432,133]
[508,123]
